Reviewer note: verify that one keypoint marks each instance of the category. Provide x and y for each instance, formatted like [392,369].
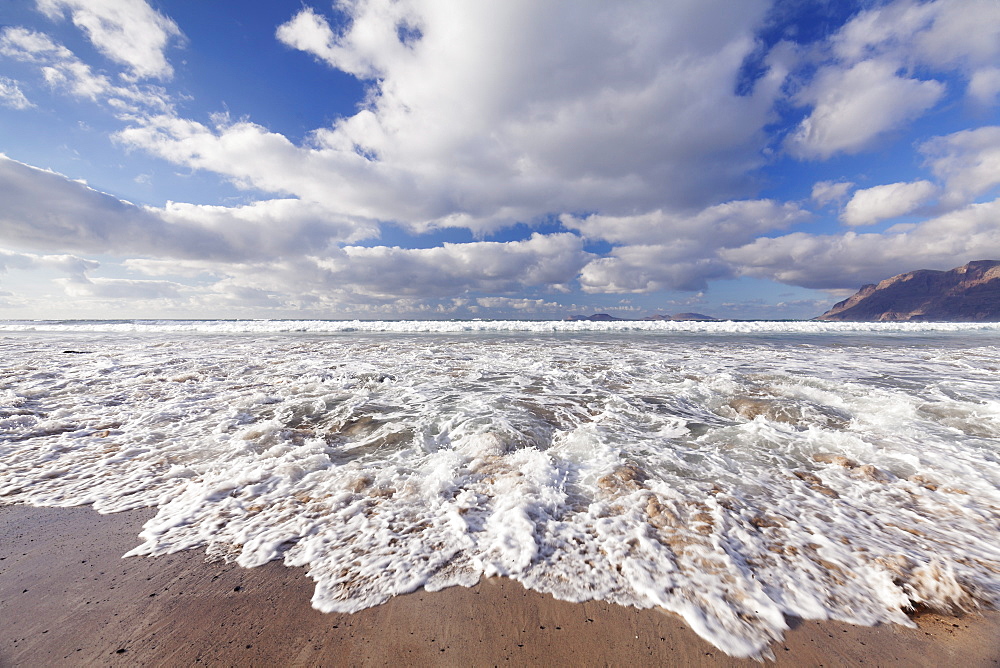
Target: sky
[384,159]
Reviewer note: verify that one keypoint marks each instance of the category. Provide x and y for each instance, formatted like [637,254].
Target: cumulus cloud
[308,31]
[254,157]
[483,115]
[453,269]
[853,106]
[621,121]
[827,192]
[731,222]
[115,289]
[11,95]
[959,34]
[31,46]
[984,86]
[44,210]
[872,205]
[382,280]
[865,86]
[639,269]
[181,268]
[283,247]
[63,70]
[274,227]
[516,304]
[57,63]
[73,266]
[667,251]
[849,260]
[968,162]
[12,260]
[129,32]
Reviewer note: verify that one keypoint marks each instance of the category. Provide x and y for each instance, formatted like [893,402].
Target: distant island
[970,293]
[604,317]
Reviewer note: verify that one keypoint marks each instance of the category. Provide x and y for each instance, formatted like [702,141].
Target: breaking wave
[734,481]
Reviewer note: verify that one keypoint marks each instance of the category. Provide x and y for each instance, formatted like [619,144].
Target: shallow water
[734,476]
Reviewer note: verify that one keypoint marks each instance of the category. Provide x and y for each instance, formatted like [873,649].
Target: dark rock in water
[970,293]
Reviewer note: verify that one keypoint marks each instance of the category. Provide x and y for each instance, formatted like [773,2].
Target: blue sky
[408,158]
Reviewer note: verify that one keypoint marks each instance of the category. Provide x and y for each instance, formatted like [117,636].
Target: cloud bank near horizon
[519,157]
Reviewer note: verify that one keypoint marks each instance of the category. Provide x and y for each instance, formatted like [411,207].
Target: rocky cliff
[969,293]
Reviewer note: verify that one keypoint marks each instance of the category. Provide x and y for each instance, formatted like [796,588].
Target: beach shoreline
[68,599]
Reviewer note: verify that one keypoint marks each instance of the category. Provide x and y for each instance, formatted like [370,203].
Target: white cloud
[851,107]
[963,34]
[849,260]
[117,289]
[641,269]
[61,69]
[13,260]
[675,252]
[46,211]
[31,46]
[728,223]
[71,265]
[78,79]
[275,227]
[288,250]
[968,162]
[284,249]
[453,269]
[308,31]
[181,268]
[872,205]
[129,32]
[984,86]
[11,95]
[517,304]
[865,85]
[506,112]
[825,192]
[945,35]
[620,119]
[383,280]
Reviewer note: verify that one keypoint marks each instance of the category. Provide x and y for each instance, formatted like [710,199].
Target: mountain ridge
[970,293]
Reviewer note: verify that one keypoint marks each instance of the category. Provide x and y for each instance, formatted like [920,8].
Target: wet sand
[66,598]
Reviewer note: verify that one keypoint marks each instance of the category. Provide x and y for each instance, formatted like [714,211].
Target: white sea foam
[732,479]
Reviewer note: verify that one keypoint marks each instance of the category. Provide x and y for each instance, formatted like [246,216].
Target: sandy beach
[68,599]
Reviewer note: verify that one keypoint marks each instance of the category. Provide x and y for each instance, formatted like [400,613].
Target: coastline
[68,599]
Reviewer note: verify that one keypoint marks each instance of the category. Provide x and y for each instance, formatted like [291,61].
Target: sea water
[737,474]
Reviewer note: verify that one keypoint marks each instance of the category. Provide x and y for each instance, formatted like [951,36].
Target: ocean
[735,473]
